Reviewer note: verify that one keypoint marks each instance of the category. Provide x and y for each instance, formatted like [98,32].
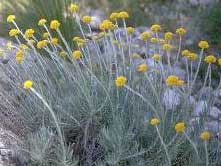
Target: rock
[171,99]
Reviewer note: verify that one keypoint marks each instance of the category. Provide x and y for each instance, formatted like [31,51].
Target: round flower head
[41,44]
[219,61]
[130,30]
[106,25]
[181,31]
[205,136]
[167,47]
[42,22]
[54,41]
[14,32]
[29,33]
[156,57]
[168,36]
[210,59]
[114,16]
[192,56]
[10,18]
[73,8]
[155,28]
[154,121]
[123,15]
[203,44]
[120,81]
[86,19]
[19,56]
[145,36]
[185,52]
[173,80]
[45,35]
[27,84]
[63,54]
[142,68]
[153,40]
[180,127]
[76,55]
[55,24]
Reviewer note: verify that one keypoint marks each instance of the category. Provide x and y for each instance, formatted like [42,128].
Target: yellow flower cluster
[142,68]
[55,24]
[185,52]
[180,127]
[41,44]
[54,41]
[154,40]
[130,30]
[106,25]
[181,31]
[86,19]
[29,33]
[14,32]
[28,84]
[155,27]
[155,121]
[145,36]
[76,55]
[79,41]
[168,36]
[156,57]
[19,56]
[192,56]
[10,18]
[203,44]
[167,47]
[173,80]
[210,59]
[42,22]
[205,136]
[73,8]
[120,81]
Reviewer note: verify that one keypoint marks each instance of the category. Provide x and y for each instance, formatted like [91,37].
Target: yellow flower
[29,33]
[55,24]
[168,36]
[41,44]
[31,41]
[167,47]
[191,56]
[19,56]
[153,40]
[180,127]
[123,15]
[9,45]
[155,28]
[219,61]
[130,30]
[14,32]
[42,22]
[10,18]
[76,55]
[181,31]
[185,52]
[80,42]
[63,54]
[135,56]
[154,121]
[173,80]
[54,41]
[120,81]
[73,8]
[23,46]
[27,84]
[210,59]
[156,57]
[205,136]
[145,36]
[106,25]
[45,35]
[114,16]
[86,19]
[203,44]
[142,68]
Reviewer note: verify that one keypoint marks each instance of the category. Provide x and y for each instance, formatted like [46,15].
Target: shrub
[103,104]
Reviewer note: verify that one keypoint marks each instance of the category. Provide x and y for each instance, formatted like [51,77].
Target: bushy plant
[103,104]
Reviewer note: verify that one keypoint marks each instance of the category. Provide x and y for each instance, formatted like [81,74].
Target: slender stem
[207,156]
[165,147]
[193,144]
